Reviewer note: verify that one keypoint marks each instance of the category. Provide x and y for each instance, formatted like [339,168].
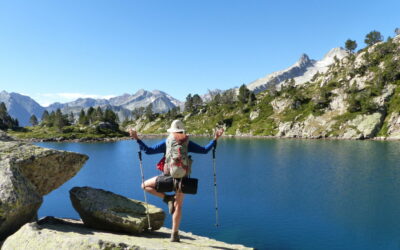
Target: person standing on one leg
[176,138]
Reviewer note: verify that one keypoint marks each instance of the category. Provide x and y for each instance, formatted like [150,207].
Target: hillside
[358,97]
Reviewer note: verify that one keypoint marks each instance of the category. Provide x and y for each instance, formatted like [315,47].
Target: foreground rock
[19,200]
[51,233]
[28,172]
[108,211]
[5,137]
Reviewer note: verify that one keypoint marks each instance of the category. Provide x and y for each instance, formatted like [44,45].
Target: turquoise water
[273,193]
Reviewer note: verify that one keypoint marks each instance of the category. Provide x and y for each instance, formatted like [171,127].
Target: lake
[272,193]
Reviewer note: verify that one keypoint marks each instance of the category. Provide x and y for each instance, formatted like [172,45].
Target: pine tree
[373,37]
[60,120]
[351,45]
[83,120]
[197,102]
[6,121]
[149,112]
[244,94]
[189,103]
[110,117]
[91,116]
[99,115]
[33,120]
[45,118]
[71,118]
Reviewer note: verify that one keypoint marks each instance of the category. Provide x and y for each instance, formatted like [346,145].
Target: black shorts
[165,183]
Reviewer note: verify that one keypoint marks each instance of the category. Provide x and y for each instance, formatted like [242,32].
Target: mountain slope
[357,97]
[302,71]
[21,107]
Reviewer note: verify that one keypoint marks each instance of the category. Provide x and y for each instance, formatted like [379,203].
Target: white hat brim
[174,130]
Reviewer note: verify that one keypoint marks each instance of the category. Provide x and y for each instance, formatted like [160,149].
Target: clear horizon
[60,51]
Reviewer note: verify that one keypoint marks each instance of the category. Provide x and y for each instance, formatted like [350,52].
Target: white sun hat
[176,127]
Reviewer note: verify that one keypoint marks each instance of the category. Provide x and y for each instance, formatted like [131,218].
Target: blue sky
[61,50]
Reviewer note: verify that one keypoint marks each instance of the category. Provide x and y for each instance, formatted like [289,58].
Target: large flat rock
[28,172]
[53,233]
[108,211]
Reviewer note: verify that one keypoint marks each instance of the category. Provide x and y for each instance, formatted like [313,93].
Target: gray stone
[47,169]
[19,200]
[394,126]
[26,173]
[66,234]
[5,137]
[108,211]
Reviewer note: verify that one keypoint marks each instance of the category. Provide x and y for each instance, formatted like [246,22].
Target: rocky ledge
[53,233]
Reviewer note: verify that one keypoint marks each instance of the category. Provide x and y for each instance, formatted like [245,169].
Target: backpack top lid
[180,138]
[176,127]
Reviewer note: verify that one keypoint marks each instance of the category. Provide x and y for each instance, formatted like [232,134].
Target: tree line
[6,121]
[59,120]
[371,38]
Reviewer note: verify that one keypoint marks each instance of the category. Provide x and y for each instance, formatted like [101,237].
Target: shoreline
[145,136]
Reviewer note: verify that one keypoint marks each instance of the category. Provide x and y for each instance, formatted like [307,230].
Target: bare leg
[176,217]
[150,187]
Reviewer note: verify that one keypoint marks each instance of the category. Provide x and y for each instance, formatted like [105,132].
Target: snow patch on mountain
[302,71]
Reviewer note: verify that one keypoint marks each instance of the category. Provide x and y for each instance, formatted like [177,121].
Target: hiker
[177,136]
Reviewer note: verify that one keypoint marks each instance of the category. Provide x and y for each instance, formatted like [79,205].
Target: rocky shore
[53,233]
[146,136]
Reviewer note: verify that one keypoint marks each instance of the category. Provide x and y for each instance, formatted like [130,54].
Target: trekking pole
[144,191]
[215,186]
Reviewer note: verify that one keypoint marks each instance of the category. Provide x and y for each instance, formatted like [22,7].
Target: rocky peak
[304,61]
[329,57]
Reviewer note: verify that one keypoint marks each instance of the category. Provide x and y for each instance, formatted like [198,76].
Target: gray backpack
[177,161]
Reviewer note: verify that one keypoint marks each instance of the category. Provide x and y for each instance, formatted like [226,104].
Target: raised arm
[196,148]
[155,149]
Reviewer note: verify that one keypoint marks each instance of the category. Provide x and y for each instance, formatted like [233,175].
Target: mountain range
[22,107]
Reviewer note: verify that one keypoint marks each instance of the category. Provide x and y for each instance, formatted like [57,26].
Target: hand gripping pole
[144,191]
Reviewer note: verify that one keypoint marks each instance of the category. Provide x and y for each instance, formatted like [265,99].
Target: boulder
[105,210]
[4,136]
[28,172]
[394,126]
[19,200]
[52,233]
[254,114]
[47,169]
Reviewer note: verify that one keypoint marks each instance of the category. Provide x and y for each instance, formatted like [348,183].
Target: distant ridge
[22,107]
[302,71]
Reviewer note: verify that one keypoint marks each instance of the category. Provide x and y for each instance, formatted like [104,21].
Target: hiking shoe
[170,200]
[175,237]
